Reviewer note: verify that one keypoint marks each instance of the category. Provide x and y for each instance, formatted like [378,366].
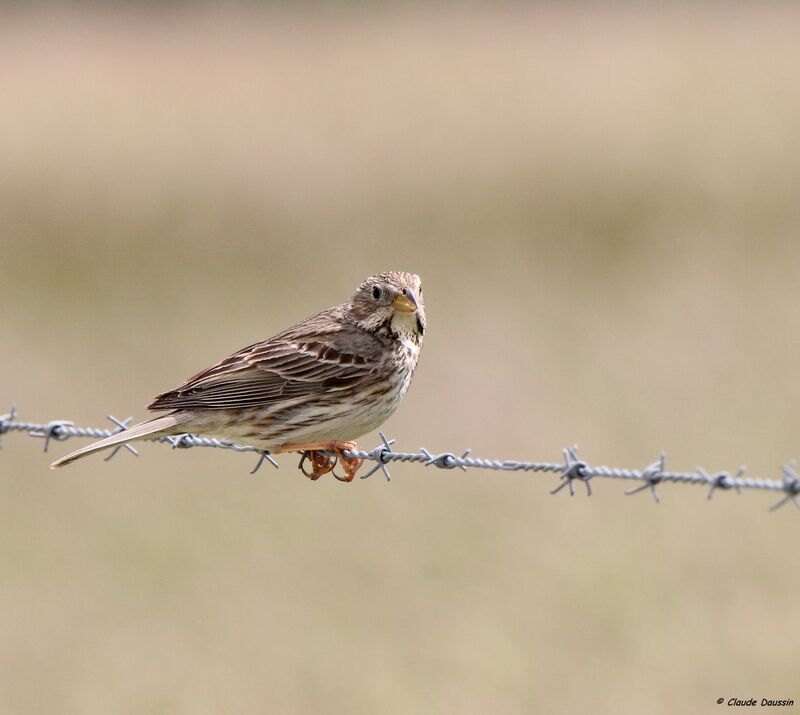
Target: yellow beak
[405,303]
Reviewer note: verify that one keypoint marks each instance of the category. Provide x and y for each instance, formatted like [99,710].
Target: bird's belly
[348,416]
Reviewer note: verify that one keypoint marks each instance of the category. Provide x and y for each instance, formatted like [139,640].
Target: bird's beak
[405,302]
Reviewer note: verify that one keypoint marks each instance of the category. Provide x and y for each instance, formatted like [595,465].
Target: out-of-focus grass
[604,209]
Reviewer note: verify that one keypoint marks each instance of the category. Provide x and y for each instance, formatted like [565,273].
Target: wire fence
[570,469]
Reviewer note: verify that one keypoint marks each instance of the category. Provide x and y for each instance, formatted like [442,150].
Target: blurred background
[604,208]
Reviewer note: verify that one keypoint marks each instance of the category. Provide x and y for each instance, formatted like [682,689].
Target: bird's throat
[405,327]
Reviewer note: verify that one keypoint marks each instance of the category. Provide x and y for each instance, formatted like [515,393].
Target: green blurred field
[604,208]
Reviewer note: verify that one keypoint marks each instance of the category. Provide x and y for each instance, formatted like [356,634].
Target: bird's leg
[322,464]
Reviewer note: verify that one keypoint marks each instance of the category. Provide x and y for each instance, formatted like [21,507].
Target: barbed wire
[570,470]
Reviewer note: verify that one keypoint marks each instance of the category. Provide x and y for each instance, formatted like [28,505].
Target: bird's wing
[316,356]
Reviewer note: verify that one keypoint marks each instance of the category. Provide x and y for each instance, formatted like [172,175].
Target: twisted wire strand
[572,469]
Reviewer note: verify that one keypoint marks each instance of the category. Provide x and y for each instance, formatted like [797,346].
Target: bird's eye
[376,292]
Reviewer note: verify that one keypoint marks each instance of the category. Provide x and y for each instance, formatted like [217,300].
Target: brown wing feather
[321,354]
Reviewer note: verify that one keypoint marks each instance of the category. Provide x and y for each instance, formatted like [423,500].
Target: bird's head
[390,302]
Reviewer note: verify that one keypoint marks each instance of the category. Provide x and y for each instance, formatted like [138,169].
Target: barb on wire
[651,475]
[791,485]
[380,455]
[574,468]
[122,425]
[722,480]
[570,470]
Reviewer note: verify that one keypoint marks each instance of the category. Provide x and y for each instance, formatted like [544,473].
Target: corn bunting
[313,388]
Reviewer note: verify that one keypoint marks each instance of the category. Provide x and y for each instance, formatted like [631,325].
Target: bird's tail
[143,429]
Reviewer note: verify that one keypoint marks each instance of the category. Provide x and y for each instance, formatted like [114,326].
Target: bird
[313,388]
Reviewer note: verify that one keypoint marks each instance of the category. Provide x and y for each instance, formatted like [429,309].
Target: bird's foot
[349,464]
[322,461]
